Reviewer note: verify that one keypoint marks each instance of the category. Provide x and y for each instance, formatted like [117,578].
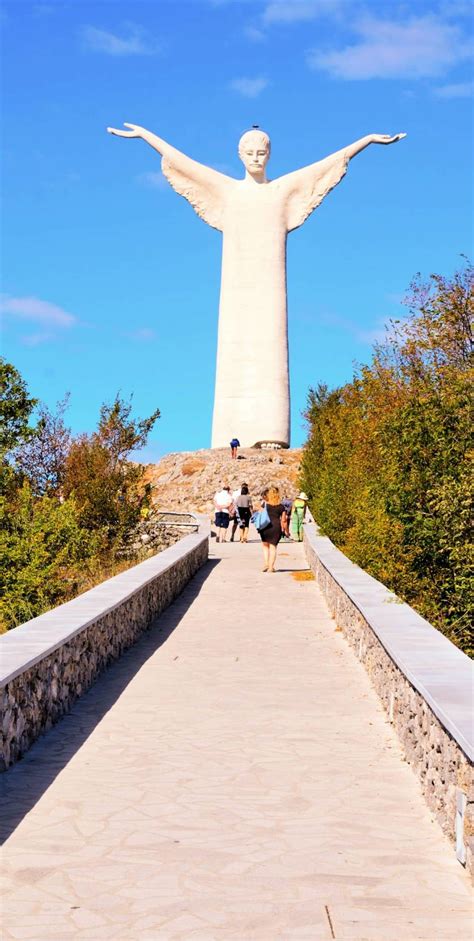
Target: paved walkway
[232,777]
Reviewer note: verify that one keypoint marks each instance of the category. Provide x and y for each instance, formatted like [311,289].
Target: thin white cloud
[249,87]
[43,9]
[36,339]
[154,179]
[380,332]
[142,333]
[454,9]
[377,332]
[297,11]
[422,47]
[36,310]
[456,90]
[134,43]
[254,34]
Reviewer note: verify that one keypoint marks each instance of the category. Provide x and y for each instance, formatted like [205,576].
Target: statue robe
[252,392]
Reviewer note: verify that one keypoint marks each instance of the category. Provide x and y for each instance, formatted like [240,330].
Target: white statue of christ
[252,393]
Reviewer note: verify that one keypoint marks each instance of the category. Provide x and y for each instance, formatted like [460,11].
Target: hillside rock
[187,481]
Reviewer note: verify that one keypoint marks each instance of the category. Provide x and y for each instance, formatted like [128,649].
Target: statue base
[270,445]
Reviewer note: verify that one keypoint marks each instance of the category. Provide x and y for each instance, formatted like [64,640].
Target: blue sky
[111,282]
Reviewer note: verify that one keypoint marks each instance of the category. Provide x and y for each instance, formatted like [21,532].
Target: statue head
[254,151]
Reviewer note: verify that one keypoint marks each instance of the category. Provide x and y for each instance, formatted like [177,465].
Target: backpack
[261,519]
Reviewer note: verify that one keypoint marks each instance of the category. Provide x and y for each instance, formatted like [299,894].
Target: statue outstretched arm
[353,149]
[203,187]
[306,188]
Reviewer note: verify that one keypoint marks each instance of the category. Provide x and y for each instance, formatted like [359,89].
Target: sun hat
[303,496]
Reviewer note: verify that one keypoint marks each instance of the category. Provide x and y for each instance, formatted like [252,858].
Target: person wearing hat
[298,513]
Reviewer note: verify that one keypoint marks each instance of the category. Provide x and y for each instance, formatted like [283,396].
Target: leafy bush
[41,547]
[66,505]
[100,476]
[387,461]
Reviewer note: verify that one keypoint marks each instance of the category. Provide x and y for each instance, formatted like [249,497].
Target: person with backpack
[270,522]
[234,444]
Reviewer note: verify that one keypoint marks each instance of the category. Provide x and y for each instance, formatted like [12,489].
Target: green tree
[66,505]
[388,461]
[100,476]
[42,458]
[15,408]
[43,550]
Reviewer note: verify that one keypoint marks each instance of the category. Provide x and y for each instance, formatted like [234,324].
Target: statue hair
[260,137]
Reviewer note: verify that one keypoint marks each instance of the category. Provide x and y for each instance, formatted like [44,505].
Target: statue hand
[135,132]
[386,138]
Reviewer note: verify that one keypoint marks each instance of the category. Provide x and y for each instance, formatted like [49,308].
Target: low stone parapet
[424,682]
[46,663]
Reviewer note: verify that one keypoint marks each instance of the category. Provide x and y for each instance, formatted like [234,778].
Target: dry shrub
[191,467]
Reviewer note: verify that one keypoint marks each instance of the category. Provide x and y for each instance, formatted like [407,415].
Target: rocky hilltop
[188,480]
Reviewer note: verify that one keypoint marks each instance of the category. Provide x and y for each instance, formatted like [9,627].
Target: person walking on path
[222,503]
[243,506]
[297,516]
[288,504]
[234,512]
[271,535]
[234,444]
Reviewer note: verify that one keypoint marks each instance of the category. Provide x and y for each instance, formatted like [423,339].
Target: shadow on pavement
[25,782]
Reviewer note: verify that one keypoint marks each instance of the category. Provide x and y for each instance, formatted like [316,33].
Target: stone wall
[424,683]
[51,660]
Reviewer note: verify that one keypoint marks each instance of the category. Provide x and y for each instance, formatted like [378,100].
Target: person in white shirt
[222,503]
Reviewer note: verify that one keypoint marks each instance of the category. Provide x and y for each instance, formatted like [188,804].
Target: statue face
[254,158]
[254,152]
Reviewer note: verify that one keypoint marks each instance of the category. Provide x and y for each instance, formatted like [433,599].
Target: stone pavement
[233,776]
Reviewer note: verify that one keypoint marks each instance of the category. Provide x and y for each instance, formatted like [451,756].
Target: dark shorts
[244,514]
[222,520]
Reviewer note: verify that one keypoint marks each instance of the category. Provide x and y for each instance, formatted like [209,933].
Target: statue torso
[254,212]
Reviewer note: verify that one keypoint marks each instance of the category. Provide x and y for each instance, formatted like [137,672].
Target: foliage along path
[232,777]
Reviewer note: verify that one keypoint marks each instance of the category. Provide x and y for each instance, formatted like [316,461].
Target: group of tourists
[275,519]
[233,508]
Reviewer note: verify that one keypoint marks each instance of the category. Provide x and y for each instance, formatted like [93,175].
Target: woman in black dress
[271,535]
